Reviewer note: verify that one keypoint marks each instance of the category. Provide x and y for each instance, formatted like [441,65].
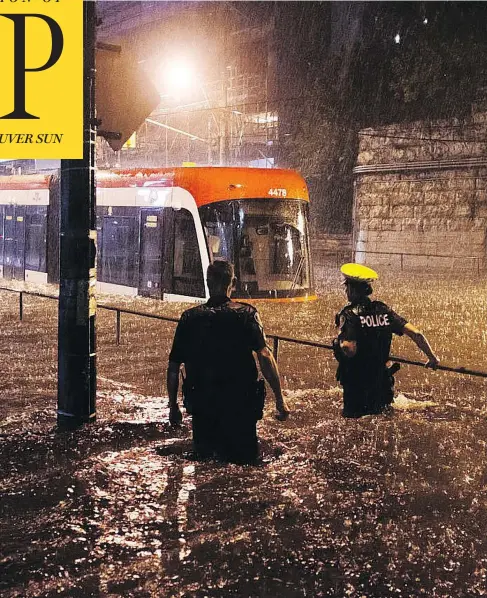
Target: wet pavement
[377,507]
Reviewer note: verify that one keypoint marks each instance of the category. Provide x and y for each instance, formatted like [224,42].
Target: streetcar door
[19,259]
[183,271]
[8,242]
[168,251]
[150,266]
[2,236]
[14,243]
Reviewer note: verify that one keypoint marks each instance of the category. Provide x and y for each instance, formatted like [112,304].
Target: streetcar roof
[209,184]
[26,181]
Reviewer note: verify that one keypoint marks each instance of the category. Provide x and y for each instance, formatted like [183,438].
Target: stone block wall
[421,196]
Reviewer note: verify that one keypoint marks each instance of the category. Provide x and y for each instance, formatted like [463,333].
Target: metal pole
[77,303]
[21,306]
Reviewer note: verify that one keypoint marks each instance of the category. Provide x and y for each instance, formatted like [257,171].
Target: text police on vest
[375,320]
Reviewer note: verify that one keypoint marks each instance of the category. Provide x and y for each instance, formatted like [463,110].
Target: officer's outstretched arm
[175,415]
[422,343]
[270,372]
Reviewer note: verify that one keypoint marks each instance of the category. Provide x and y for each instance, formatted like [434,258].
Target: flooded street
[378,507]
[142,144]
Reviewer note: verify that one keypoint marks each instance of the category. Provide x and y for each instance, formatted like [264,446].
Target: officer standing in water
[216,343]
[363,345]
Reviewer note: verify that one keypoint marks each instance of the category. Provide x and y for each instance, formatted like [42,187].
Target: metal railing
[277,338]
[445,368]
[474,258]
[116,309]
[338,256]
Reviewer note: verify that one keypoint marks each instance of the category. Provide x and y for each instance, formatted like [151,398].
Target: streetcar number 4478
[277,192]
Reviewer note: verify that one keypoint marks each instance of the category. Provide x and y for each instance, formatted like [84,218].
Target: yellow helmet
[358,272]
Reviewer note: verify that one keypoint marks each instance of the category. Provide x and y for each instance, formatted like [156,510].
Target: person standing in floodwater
[363,344]
[216,342]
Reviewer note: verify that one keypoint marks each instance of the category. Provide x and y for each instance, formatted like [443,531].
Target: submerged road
[378,507]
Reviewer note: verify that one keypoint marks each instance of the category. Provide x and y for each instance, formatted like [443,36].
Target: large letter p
[19,59]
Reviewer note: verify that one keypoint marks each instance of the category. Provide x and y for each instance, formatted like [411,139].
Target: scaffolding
[232,124]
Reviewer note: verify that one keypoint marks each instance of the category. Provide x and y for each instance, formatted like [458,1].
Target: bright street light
[177,78]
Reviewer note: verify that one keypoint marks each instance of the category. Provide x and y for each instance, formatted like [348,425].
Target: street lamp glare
[178,77]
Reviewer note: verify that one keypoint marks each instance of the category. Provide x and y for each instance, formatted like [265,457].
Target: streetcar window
[287,251]
[219,227]
[35,239]
[119,249]
[266,239]
[9,239]
[187,270]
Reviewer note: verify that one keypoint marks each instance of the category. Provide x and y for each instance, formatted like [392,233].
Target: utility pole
[77,302]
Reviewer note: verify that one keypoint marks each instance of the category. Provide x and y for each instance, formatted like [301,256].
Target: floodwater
[382,506]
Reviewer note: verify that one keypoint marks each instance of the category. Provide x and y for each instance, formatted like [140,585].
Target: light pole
[77,276]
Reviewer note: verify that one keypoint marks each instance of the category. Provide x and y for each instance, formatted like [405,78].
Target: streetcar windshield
[266,239]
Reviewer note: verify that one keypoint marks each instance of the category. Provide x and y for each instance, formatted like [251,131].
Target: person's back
[374,328]
[216,342]
[216,345]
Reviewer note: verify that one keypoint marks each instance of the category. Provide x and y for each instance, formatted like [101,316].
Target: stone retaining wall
[422,203]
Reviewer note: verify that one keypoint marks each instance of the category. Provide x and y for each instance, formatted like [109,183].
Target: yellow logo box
[41,74]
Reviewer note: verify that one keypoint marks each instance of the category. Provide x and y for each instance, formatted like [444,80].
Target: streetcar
[159,228]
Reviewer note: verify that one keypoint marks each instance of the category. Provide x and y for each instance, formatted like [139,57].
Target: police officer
[215,342]
[363,345]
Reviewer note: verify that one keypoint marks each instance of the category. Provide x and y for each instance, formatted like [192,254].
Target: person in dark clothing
[216,343]
[363,344]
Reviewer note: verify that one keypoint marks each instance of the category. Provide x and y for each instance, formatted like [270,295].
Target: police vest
[371,324]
